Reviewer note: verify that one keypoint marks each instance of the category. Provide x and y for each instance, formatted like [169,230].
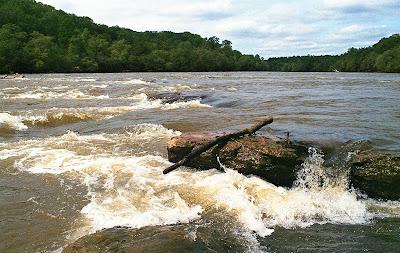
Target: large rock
[376,174]
[373,172]
[267,157]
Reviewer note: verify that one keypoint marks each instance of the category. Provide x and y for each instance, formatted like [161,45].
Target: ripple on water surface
[114,175]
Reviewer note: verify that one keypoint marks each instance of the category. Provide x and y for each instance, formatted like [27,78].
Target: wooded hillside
[384,56]
[38,38]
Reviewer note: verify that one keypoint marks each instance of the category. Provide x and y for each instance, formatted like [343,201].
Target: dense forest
[37,38]
[384,56]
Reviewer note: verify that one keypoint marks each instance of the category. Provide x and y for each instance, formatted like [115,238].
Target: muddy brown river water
[83,152]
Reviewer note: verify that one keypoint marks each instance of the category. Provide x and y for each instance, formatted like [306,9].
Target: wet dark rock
[171,97]
[337,155]
[267,157]
[376,174]
[165,239]
[12,76]
[373,172]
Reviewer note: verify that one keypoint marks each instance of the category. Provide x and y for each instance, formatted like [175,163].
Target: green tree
[119,54]
[389,61]
[41,52]
[35,37]
[12,58]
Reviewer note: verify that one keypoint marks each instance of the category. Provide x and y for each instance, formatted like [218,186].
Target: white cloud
[351,29]
[266,27]
[367,3]
[359,35]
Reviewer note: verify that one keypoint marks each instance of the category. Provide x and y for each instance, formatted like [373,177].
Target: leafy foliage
[384,56]
[35,37]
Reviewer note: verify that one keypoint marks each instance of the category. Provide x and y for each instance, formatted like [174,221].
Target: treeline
[384,56]
[35,37]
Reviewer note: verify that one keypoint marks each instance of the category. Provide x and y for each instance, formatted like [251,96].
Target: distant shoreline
[133,72]
[66,43]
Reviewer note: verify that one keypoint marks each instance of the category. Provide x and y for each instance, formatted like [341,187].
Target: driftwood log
[218,141]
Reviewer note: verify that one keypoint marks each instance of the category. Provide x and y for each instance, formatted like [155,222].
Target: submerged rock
[173,238]
[270,158]
[376,174]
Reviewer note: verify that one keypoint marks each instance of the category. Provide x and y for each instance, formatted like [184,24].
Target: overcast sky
[268,28]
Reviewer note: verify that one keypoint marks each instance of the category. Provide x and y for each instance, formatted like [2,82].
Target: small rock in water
[12,76]
[170,98]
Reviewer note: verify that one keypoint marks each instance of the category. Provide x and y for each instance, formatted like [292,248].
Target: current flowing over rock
[219,140]
[278,161]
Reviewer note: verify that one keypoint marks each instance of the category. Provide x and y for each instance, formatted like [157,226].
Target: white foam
[87,79]
[105,175]
[44,93]
[174,88]
[9,122]
[231,89]
[138,201]
[70,79]
[63,116]
[82,144]
[144,103]
[187,104]
[70,115]
[132,81]
[151,131]
[11,88]
[58,87]
[130,190]
[100,86]
[140,96]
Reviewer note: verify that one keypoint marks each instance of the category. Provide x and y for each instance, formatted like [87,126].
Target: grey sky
[269,28]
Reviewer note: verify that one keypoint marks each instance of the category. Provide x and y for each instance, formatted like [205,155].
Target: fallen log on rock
[271,158]
[220,140]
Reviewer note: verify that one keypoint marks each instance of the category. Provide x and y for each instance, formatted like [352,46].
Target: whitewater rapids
[83,152]
[129,190]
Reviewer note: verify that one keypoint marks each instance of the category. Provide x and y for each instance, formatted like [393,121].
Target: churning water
[83,152]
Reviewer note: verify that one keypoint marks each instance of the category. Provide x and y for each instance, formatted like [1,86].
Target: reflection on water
[80,153]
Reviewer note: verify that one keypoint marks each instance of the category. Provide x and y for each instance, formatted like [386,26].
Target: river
[84,152]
